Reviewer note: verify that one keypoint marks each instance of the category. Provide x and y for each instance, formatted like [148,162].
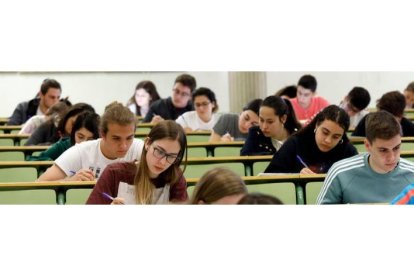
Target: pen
[72,172]
[108,196]
[301,161]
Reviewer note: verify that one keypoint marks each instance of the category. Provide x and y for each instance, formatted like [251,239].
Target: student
[409,95]
[54,113]
[306,104]
[258,198]
[376,176]
[145,94]
[49,94]
[155,179]
[277,122]
[87,160]
[219,186]
[234,127]
[53,130]
[317,146]
[204,117]
[172,107]
[355,104]
[85,128]
[394,103]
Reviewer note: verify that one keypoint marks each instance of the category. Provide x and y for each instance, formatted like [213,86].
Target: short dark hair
[359,97]
[308,82]
[187,80]
[381,125]
[49,83]
[258,198]
[253,105]
[204,91]
[393,102]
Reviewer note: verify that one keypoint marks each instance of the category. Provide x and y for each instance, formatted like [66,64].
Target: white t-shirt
[34,122]
[190,119]
[88,155]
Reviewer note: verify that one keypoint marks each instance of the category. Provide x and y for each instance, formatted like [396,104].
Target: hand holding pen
[306,169]
[82,175]
[115,200]
[156,118]
[227,137]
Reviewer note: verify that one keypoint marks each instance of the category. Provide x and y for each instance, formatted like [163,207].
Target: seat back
[77,196]
[26,196]
[197,171]
[12,156]
[286,192]
[6,142]
[259,167]
[312,190]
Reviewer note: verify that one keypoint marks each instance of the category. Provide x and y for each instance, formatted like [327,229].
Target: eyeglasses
[160,154]
[180,93]
[202,104]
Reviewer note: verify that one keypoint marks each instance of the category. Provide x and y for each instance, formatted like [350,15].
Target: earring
[342,140]
[314,131]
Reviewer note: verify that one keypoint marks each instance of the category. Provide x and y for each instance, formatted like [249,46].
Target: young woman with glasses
[204,117]
[155,179]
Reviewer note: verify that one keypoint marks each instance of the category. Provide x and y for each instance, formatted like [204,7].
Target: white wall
[335,85]
[100,88]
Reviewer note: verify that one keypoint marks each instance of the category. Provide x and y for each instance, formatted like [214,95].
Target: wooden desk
[61,187]
[40,166]
[8,129]
[27,150]
[247,161]
[16,137]
[4,120]
[211,146]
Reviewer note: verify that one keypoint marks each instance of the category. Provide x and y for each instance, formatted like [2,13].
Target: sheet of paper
[127,192]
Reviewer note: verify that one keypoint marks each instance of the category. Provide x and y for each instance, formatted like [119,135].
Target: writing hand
[306,171]
[83,175]
[118,201]
[157,119]
[227,138]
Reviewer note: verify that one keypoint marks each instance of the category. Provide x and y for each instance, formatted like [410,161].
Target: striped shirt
[352,180]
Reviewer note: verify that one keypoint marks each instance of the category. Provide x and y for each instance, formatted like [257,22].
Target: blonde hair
[144,188]
[216,184]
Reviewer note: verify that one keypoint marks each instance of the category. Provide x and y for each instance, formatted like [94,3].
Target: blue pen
[108,196]
[301,161]
[72,172]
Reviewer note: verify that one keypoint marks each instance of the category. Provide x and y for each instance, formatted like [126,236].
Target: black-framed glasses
[160,154]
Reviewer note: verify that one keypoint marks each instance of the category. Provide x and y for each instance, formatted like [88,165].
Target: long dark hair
[283,107]
[150,88]
[332,113]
